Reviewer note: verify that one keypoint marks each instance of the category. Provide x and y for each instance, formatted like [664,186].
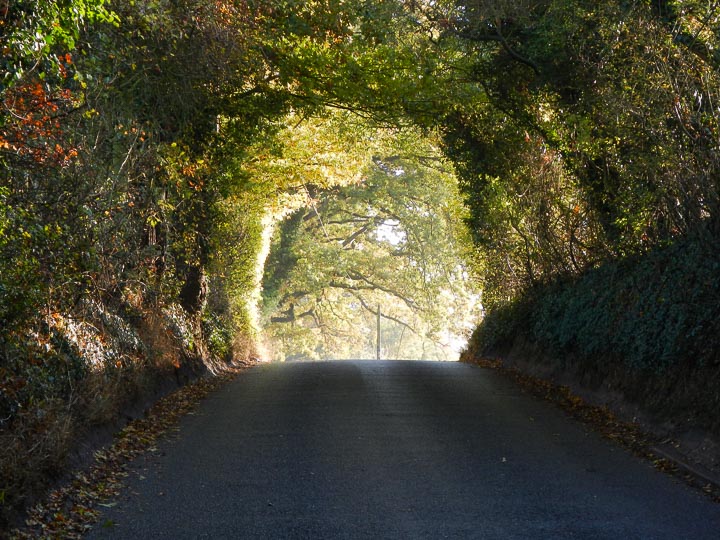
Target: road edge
[663,454]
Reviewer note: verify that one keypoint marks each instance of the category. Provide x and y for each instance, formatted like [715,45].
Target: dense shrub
[649,325]
[648,312]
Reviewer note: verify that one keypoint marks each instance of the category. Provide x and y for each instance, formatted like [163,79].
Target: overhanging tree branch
[384,315]
[371,285]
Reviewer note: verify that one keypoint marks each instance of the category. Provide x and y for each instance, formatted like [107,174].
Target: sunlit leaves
[33,30]
[34,129]
[394,239]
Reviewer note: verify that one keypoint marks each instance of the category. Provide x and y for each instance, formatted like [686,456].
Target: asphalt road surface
[395,450]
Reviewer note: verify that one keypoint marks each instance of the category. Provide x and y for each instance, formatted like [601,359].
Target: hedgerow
[638,323]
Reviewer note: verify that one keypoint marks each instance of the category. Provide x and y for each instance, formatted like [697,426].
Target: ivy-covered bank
[647,325]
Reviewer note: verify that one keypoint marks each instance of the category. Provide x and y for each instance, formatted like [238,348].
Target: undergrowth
[648,325]
[75,372]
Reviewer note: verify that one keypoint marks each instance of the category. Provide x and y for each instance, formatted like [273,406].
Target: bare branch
[384,315]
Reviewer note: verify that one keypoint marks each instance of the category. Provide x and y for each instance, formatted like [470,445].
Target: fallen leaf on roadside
[70,511]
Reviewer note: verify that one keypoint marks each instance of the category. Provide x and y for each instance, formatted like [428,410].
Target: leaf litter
[602,420]
[73,509]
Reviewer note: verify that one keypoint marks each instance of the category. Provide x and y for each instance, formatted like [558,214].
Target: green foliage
[282,259]
[143,145]
[648,314]
[36,369]
[19,290]
[584,135]
[33,31]
[219,333]
[392,239]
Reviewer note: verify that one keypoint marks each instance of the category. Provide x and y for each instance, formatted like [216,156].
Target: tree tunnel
[177,176]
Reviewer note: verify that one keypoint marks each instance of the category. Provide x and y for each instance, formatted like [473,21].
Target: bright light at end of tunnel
[390,232]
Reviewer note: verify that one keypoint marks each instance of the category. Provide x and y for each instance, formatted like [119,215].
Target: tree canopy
[393,239]
[146,145]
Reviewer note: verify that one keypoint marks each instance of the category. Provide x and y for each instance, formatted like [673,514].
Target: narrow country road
[395,450]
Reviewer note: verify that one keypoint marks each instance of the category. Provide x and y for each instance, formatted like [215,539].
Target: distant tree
[394,240]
